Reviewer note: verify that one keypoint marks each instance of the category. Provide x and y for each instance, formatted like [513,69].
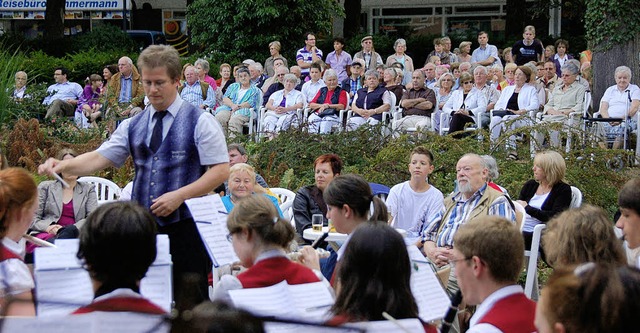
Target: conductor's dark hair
[118,243]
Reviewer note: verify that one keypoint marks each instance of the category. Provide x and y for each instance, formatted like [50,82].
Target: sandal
[512,157]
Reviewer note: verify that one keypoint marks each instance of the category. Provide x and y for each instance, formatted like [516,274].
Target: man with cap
[371,58]
[354,82]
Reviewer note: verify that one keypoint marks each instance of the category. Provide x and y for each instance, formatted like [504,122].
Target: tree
[54,20]
[613,30]
[232,30]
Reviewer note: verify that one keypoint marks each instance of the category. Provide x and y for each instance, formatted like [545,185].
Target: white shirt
[310,89]
[619,100]
[536,202]
[14,273]
[408,206]
[487,305]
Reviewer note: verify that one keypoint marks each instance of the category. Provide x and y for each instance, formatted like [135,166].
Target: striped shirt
[304,55]
[460,214]
[193,95]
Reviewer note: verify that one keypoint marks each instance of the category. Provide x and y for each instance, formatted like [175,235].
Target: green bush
[105,38]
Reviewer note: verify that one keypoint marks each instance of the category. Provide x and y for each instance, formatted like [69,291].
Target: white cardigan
[527,98]
[475,101]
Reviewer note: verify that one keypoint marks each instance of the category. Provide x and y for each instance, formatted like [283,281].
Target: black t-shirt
[526,53]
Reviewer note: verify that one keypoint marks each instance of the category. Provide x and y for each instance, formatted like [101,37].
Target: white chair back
[520,214]
[286,198]
[532,266]
[105,189]
[576,197]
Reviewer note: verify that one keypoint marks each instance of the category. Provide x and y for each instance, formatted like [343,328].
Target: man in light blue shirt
[486,54]
[192,90]
[62,97]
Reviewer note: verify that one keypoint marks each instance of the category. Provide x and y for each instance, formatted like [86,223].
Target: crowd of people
[475,236]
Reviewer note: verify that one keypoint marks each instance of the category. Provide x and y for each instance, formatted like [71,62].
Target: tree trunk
[604,65]
[352,10]
[516,18]
[54,20]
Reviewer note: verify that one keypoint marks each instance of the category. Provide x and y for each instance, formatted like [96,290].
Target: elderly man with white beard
[472,199]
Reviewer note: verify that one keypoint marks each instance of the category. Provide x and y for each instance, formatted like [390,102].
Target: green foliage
[608,24]
[233,30]
[80,65]
[9,64]
[105,38]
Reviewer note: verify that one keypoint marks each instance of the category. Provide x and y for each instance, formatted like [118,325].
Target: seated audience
[487,259]
[590,298]
[418,104]
[260,236]
[275,83]
[582,235]
[492,167]
[409,201]
[549,52]
[629,221]
[18,203]
[349,202]
[567,97]
[546,195]
[202,71]
[257,76]
[389,78]
[225,79]
[513,108]
[619,101]
[309,199]
[549,77]
[355,81]
[20,88]
[374,277]
[310,88]
[561,56]
[62,97]
[282,107]
[326,105]
[242,184]
[241,99]
[464,105]
[443,89]
[117,246]
[369,102]
[238,154]
[195,91]
[107,73]
[62,211]
[126,94]
[89,106]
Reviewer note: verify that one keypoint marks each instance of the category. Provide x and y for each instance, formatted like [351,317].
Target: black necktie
[156,136]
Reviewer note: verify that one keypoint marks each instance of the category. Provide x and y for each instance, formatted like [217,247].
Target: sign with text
[71,5]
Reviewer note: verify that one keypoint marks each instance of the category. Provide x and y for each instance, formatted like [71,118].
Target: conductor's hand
[309,257]
[49,167]
[166,203]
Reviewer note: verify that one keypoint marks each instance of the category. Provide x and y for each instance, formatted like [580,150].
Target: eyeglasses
[465,82]
[279,75]
[453,262]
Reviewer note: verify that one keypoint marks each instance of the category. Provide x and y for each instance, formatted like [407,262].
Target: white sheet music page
[432,299]
[385,326]
[314,299]
[97,322]
[274,300]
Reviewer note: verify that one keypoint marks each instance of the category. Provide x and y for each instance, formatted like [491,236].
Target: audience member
[202,165]
[389,78]
[487,257]
[430,75]
[560,58]
[590,298]
[464,105]
[549,78]
[465,52]
[202,71]
[410,201]
[238,154]
[62,211]
[308,55]
[371,58]
[418,104]
[582,235]
[282,107]
[339,60]
[527,49]
[274,53]
[327,104]
[225,79]
[400,56]
[242,184]
[62,97]
[619,101]
[312,86]
[18,203]
[309,199]
[629,221]
[546,195]
[241,99]
[259,237]
[449,57]
[117,246]
[374,277]
[268,87]
[126,93]
[107,73]
[20,88]
[438,51]
[443,92]
[89,106]
[549,52]
[199,93]
[491,94]
[369,102]
[257,77]
[355,81]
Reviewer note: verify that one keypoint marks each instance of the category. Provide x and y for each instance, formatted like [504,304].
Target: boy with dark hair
[629,221]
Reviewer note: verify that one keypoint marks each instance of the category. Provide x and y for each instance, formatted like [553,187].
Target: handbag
[327,112]
[502,113]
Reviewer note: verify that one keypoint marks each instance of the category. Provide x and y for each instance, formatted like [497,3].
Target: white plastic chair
[105,189]
[576,197]
[532,266]
[286,198]
[520,217]
[445,120]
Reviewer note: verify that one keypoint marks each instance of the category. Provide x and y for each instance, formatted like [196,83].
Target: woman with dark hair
[309,200]
[350,203]
[18,202]
[591,298]
[259,237]
[117,246]
[374,277]
[62,210]
[107,72]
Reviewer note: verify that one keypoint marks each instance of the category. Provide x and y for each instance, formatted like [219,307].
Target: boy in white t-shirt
[409,201]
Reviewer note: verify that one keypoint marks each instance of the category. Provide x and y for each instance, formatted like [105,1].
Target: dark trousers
[190,259]
[458,122]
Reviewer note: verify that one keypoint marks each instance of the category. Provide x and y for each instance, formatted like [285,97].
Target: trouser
[190,259]
[60,108]
[231,123]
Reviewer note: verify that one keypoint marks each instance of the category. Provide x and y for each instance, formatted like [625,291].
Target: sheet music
[103,322]
[213,228]
[415,254]
[62,285]
[274,300]
[314,298]
[432,300]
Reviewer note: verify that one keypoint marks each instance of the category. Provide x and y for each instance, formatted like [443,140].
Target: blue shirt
[63,91]
[481,54]
[228,204]
[193,95]
[339,64]
[125,88]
